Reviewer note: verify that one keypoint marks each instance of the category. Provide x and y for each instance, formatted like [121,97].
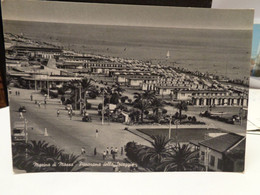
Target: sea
[220,52]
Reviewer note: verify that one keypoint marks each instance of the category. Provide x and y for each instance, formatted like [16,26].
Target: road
[70,135]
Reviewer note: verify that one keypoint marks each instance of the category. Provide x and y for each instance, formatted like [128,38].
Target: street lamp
[26,136]
[177,122]
[207,158]
[170,126]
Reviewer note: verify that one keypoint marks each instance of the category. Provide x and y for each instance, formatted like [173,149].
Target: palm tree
[181,106]
[87,86]
[182,158]
[147,95]
[26,155]
[73,86]
[157,152]
[143,101]
[142,105]
[69,163]
[157,105]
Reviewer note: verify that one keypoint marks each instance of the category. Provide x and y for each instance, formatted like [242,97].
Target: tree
[157,105]
[181,106]
[25,156]
[117,89]
[157,152]
[142,105]
[73,86]
[87,86]
[147,95]
[143,101]
[181,158]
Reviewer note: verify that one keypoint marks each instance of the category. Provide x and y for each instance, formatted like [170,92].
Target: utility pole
[170,126]
[177,122]
[80,101]
[103,100]
[26,136]
[48,87]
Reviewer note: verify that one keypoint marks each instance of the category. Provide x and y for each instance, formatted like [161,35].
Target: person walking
[114,155]
[96,133]
[18,93]
[45,103]
[104,155]
[58,113]
[31,97]
[95,151]
[83,151]
[115,152]
[70,114]
[21,115]
[122,151]
[107,150]
[39,104]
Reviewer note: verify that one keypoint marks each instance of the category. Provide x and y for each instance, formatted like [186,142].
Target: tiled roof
[222,143]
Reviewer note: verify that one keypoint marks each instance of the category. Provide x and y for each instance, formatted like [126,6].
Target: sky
[239,4]
[256,40]
[130,15]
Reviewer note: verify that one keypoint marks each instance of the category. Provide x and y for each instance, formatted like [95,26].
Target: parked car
[86,119]
[18,132]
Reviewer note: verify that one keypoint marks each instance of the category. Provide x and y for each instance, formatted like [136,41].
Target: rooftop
[222,143]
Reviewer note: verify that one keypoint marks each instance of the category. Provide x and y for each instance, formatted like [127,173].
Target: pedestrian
[58,113]
[83,151]
[111,150]
[15,92]
[107,150]
[96,133]
[39,104]
[70,114]
[31,97]
[95,151]
[122,151]
[115,152]
[104,155]
[21,115]
[114,155]
[18,93]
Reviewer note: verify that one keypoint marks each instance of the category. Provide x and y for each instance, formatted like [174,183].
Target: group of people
[69,113]
[112,151]
[17,93]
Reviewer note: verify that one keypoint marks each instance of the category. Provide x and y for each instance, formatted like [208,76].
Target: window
[220,164]
[212,161]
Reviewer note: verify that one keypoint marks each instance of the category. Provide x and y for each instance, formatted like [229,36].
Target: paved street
[70,135]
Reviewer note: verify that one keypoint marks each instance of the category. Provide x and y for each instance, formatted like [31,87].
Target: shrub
[61,91]
[92,95]
[146,112]
[164,111]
